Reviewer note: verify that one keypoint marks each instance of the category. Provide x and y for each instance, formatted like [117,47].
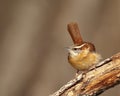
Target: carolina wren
[83,57]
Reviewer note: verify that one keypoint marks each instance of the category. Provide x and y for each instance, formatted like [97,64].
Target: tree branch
[105,76]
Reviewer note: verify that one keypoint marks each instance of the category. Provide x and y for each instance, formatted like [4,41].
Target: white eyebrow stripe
[79,46]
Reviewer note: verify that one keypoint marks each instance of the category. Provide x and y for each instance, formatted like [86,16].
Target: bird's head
[77,49]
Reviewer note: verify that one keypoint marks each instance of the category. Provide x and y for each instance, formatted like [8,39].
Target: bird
[83,57]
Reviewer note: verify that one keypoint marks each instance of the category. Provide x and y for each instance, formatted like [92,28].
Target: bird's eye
[74,48]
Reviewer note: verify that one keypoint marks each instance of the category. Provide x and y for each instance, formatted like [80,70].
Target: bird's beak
[68,49]
[72,53]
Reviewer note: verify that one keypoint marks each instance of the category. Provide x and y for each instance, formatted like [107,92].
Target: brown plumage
[83,57]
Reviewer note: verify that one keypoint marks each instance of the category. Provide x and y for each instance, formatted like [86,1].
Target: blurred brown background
[33,37]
